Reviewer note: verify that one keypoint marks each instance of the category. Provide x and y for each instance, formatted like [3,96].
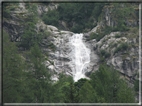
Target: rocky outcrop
[14,29]
[45,7]
[122,47]
[110,15]
[126,60]
[60,60]
[15,25]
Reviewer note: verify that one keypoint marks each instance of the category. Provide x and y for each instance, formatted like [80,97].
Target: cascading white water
[80,56]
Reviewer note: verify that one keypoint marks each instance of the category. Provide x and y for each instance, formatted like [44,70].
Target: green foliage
[87,94]
[29,35]
[51,17]
[104,55]
[124,93]
[121,14]
[7,8]
[103,82]
[136,85]
[78,16]
[52,46]
[39,77]
[122,47]
[118,36]
[31,82]
[109,87]
[32,85]
[121,27]
[93,36]
[77,28]
[97,10]
[35,85]
[13,76]
[66,90]
[100,35]
[80,83]
[105,86]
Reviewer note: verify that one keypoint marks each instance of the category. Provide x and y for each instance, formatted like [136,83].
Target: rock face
[61,57]
[110,18]
[126,61]
[122,47]
[41,8]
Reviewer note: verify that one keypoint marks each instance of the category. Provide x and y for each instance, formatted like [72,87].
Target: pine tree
[13,75]
[109,87]
[87,94]
[124,93]
[39,81]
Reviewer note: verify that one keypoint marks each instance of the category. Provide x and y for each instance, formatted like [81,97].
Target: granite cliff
[113,39]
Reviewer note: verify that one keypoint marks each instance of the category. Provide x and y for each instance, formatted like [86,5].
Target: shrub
[117,36]
[121,47]
[103,55]
[136,85]
[99,36]
[109,87]
[51,17]
[52,46]
[93,36]
[76,15]
[121,28]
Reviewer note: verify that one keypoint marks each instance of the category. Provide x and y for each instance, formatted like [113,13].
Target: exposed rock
[95,29]
[14,29]
[52,28]
[110,19]
[61,56]
[123,62]
[43,8]
[59,60]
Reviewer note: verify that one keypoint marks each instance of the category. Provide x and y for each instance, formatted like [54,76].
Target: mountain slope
[110,32]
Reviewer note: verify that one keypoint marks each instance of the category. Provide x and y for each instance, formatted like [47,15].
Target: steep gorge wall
[108,49]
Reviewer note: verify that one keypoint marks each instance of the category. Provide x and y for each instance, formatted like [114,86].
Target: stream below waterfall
[80,56]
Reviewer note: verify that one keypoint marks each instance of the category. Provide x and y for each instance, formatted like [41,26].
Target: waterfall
[80,56]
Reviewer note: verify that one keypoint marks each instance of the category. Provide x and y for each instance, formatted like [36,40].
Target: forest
[27,80]
[36,86]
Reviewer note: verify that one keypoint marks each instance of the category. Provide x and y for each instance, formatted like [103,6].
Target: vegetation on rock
[27,80]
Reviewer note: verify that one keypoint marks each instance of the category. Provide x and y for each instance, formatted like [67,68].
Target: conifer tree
[39,77]
[87,94]
[13,75]
[109,87]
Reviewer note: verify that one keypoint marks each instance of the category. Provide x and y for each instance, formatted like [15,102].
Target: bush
[52,46]
[99,36]
[136,85]
[103,55]
[93,36]
[77,28]
[109,87]
[51,17]
[121,47]
[117,36]
[121,28]
[76,15]
[7,8]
